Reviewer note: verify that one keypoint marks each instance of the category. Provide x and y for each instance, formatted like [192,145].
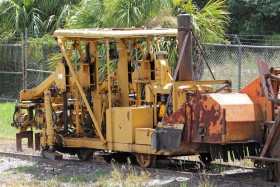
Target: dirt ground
[17,172]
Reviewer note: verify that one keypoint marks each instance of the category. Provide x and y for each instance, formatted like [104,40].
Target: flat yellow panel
[126,119]
[104,33]
[143,136]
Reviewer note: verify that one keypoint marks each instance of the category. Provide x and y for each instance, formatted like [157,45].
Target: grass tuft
[206,182]
[26,169]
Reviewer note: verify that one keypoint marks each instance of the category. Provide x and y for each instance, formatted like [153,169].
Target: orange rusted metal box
[224,118]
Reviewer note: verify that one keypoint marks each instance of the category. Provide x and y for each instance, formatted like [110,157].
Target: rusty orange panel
[239,123]
[253,90]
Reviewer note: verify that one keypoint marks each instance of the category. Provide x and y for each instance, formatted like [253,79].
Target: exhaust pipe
[186,67]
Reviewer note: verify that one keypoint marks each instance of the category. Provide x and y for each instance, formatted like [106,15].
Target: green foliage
[71,179]
[26,169]
[6,118]
[206,182]
[87,14]
[128,175]
[209,21]
[116,13]
[37,16]
[254,17]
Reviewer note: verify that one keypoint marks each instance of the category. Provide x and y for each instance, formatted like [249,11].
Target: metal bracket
[26,134]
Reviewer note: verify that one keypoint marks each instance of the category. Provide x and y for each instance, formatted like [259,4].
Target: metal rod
[203,54]
[224,127]
[25,58]
[239,62]
[244,46]
[108,72]
[176,73]
[22,60]
[9,72]
[40,71]
[48,116]
[65,110]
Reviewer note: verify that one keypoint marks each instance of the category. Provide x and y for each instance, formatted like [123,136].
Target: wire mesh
[41,59]
[238,62]
[27,63]
[10,70]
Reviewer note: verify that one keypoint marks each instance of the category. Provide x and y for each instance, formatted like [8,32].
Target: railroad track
[170,170]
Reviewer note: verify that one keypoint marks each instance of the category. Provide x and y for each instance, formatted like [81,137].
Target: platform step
[274,100]
[266,159]
[268,123]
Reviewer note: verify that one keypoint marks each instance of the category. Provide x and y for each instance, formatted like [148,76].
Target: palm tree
[87,14]
[115,13]
[38,17]
[209,22]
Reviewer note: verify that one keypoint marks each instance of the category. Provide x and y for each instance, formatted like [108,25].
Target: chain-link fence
[26,62]
[11,74]
[238,62]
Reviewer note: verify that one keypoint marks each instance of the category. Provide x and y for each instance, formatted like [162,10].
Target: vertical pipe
[77,109]
[239,62]
[25,58]
[224,127]
[186,67]
[49,120]
[148,42]
[138,91]
[22,61]
[65,108]
[108,72]
[123,72]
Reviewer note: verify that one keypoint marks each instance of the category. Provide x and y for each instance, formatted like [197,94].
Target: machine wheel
[205,158]
[146,160]
[85,154]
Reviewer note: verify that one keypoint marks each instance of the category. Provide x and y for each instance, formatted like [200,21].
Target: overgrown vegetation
[6,116]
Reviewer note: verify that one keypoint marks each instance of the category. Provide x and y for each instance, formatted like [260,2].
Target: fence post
[25,58]
[22,60]
[239,62]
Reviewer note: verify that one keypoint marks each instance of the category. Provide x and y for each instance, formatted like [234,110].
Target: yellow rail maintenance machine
[140,105]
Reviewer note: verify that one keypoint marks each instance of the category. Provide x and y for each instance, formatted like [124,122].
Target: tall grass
[6,117]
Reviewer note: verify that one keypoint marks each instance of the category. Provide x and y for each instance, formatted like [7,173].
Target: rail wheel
[205,158]
[146,160]
[85,154]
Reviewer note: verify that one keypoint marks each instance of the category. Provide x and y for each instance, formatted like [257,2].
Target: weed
[127,175]
[246,163]
[217,168]
[102,181]
[183,184]
[206,182]
[32,183]
[73,179]
[26,169]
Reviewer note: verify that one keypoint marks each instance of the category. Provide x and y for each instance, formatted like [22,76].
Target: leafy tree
[209,22]
[37,16]
[254,17]
[115,13]
[87,14]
